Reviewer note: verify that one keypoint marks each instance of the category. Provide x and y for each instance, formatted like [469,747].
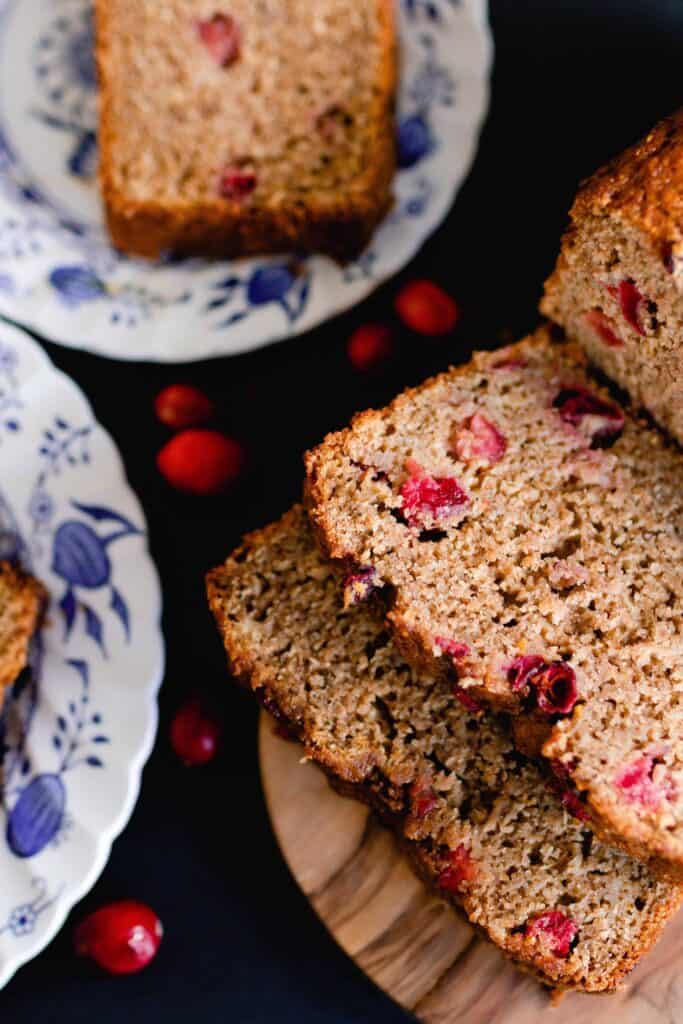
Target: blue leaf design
[119,606]
[68,608]
[94,762]
[100,739]
[96,718]
[36,817]
[82,669]
[93,627]
[100,513]
[57,742]
[228,282]
[232,319]
[216,304]
[61,722]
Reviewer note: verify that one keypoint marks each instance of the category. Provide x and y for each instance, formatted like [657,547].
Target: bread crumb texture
[524,532]
[486,830]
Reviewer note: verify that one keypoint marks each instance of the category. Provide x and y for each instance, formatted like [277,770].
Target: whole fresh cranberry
[180,406]
[369,346]
[121,937]
[195,732]
[426,308]
[222,38]
[202,462]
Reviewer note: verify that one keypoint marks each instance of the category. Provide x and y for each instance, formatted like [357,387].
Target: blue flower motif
[415,140]
[77,284]
[41,507]
[22,920]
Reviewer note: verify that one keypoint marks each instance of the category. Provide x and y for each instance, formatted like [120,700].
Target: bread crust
[338,225]
[361,779]
[28,599]
[643,185]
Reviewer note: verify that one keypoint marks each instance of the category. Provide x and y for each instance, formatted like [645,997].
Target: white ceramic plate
[79,725]
[58,274]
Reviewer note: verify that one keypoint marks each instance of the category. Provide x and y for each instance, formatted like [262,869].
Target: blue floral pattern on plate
[79,722]
[60,276]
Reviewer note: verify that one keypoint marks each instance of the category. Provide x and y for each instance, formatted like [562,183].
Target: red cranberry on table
[180,406]
[121,937]
[202,462]
[369,346]
[195,732]
[426,308]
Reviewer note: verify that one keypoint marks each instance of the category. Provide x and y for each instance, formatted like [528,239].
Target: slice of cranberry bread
[483,827]
[242,127]
[618,285]
[526,535]
[22,599]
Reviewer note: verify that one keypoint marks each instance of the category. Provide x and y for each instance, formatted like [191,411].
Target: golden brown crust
[25,599]
[339,225]
[643,185]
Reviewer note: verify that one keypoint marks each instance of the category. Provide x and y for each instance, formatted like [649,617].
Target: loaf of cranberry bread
[475,816]
[618,285]
[22,600]
[241,127]
[526,536]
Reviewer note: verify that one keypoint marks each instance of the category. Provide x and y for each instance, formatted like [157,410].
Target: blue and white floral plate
[80,723]
[59,275]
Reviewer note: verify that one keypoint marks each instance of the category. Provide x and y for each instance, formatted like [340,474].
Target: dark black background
[573,83]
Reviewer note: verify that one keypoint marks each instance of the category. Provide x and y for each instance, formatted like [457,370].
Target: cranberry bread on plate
[245,127]
[21,604]
[525,534]
[618,285]
[474,815]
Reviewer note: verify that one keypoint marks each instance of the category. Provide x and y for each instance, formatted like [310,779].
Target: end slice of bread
[246,129]
[618,285]
[475,816]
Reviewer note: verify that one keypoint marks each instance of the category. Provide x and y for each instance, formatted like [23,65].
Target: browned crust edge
[643,186]
[31,599]
[364,783]
[339,227]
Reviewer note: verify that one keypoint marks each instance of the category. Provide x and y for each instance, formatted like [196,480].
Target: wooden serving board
[411,944]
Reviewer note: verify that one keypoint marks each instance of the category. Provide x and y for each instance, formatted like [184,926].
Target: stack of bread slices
[476,623]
